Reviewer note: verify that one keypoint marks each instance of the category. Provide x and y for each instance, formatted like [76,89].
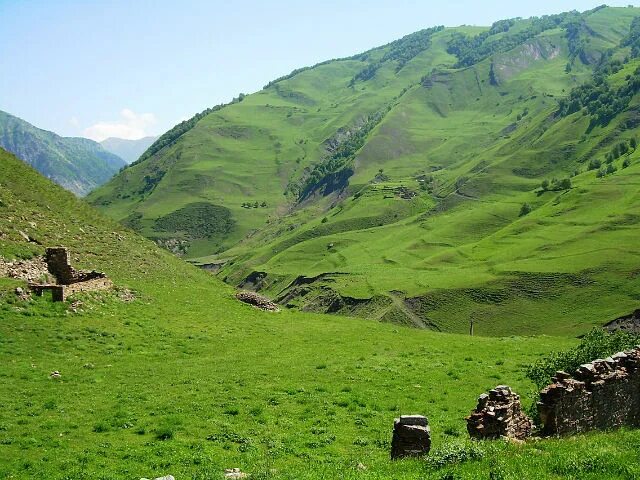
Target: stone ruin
[601,395]
[499,414]
[68,279]
[411,437]
[258,301]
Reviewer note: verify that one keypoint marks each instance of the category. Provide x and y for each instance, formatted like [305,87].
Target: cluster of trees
[618,150]
[342,156]
[556,185]
[600,100]
[576,29]
[197,220]
[633,38]
[401,51]
[525,209]
[170,137]
[254,205]
[471,50]
[606,170]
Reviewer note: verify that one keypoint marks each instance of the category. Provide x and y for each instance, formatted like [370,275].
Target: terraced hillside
[169,374]
[77,164]
[456,176]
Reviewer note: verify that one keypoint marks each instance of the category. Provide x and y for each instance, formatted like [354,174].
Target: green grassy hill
[391,184]
[185,380]
[77,164]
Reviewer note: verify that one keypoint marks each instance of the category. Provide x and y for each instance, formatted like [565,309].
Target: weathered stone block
[411,437]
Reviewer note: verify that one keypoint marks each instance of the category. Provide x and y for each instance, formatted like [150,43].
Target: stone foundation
[411,437]
[601,395]
[69,280]
[499,414]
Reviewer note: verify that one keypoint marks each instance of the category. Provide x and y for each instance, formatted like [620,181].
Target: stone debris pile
[499,414]
[601,395]
[33,270]
[234,473]
[258,301]
[411,437]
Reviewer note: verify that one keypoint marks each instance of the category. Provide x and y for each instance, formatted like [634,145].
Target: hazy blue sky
[129,68]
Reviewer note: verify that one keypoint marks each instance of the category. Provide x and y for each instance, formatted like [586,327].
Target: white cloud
[131,126]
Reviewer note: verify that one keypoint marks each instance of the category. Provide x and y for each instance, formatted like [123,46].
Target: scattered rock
[258,301]
[55,374]
[22,294]
[167,477]
[126,295]
[411,437]
[75,306]
[361,466]
[89,366]
[234,473]
[499,414]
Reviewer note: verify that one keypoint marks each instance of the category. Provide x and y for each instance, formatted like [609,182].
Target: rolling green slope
[391,184]
[185,380]
[77,164]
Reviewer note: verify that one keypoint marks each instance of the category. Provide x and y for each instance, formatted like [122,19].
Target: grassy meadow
[186,380]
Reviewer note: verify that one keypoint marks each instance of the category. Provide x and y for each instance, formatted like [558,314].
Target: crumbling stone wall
[411,436]
[601,395]
[499,414]
[68,279]
[58,264]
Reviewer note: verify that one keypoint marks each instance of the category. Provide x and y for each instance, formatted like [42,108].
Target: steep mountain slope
[411,177]
[184,380]
[77,164]
[128,150]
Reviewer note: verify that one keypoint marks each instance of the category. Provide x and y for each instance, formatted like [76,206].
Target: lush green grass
[188,381]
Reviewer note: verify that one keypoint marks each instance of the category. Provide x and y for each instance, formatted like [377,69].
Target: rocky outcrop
[627,323]
[258,301]
[601,395]
[411,437]
[499,414]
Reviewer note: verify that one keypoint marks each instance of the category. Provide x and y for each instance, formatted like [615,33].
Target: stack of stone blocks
[411,437]
[499,414]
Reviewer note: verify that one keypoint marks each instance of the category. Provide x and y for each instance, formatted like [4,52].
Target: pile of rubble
[33,270]
[258,301]
[499,414]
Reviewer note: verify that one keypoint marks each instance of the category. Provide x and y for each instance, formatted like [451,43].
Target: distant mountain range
[77,164]
[128,150]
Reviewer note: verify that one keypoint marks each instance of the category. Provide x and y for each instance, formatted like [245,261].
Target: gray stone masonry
[411,437]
